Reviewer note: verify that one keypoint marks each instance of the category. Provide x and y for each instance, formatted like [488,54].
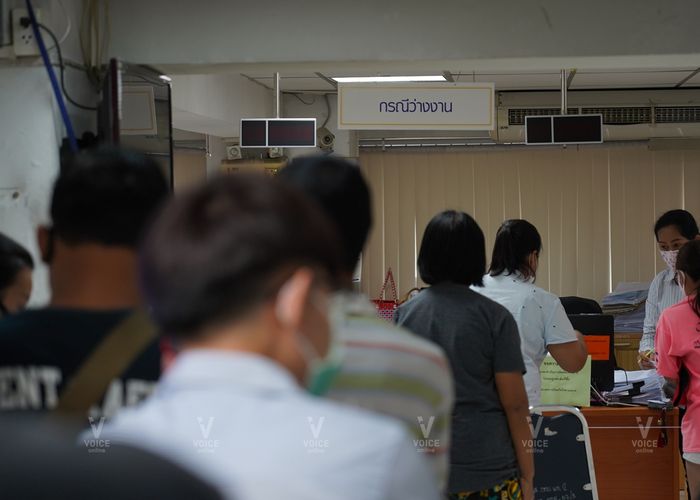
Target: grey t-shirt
[480,339]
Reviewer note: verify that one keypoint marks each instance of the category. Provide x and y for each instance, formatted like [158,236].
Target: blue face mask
[321,371]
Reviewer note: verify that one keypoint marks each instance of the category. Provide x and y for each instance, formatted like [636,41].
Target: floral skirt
[508,490]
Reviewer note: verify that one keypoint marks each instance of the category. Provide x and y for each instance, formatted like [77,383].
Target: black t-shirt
[40,350]
[480,338]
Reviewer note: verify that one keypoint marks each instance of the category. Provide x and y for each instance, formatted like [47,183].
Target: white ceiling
[517,80]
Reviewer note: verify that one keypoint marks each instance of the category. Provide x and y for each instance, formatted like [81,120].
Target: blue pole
[52,76]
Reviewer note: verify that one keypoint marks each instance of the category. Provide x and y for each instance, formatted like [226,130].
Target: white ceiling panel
[513,81]
[584,80]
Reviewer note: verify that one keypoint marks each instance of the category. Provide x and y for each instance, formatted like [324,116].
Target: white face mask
[321,371]
[670,257]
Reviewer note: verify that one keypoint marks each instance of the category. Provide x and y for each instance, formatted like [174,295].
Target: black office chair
[580,305]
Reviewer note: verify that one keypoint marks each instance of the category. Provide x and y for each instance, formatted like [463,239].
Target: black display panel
[578,129]
[253,133]
[564,129]
[291,133]
[538,129]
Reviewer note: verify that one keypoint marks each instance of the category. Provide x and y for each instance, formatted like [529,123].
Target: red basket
[386,308]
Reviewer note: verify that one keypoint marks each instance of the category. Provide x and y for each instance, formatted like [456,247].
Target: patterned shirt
[663,293]
[389,370]
[541,321]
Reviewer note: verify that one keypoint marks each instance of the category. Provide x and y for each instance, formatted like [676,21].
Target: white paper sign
[416,106]
[138,111]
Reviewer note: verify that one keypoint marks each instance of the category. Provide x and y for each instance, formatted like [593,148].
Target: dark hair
[688,261]
[452,250]
[339,188]
[106,196]
[13,258]
[516,239]
[227,246]
[682,219]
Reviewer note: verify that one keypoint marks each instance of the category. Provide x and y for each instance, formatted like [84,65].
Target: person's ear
[293,298]
[45,241]
[697,237]
[532,261]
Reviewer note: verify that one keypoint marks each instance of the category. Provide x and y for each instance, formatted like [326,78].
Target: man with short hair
[385,368]
[673,229]
[237,273]
[102,202]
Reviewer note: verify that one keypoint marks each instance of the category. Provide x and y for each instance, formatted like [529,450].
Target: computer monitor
[599,333]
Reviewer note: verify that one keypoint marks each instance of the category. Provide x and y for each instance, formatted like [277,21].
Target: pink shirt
[677,345]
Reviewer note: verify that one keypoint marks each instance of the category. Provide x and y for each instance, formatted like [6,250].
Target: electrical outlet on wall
[23,41]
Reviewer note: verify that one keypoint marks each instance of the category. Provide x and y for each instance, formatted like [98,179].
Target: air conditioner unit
[627,115]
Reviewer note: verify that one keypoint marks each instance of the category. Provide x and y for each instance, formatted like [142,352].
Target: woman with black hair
[542,322]
[672,230]
[16,266]
[678,353]
[489,457]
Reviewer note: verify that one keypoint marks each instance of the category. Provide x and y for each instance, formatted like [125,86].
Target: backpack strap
[112,356]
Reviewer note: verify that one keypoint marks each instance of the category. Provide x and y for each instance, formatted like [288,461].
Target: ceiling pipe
[276,94]
[564,92]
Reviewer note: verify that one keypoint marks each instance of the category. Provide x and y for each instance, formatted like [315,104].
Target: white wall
[217,153]
[30,134]
[221,31]
[29,141]
[214,104]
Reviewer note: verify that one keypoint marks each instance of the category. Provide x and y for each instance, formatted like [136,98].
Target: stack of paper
[625,382]
[626,303]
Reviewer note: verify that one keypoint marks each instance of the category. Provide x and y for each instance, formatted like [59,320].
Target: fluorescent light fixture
[165,78]
[381,79]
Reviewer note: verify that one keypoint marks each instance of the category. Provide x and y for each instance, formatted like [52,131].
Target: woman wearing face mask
[673,230]
[16,266]
[542,321]
[678,350]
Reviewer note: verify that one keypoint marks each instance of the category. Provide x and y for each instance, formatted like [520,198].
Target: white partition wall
[595,207]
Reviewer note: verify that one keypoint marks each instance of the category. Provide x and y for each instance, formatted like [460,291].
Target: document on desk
[651,384]
[563,388]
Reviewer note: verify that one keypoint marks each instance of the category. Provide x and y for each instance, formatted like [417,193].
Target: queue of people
[218,331]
